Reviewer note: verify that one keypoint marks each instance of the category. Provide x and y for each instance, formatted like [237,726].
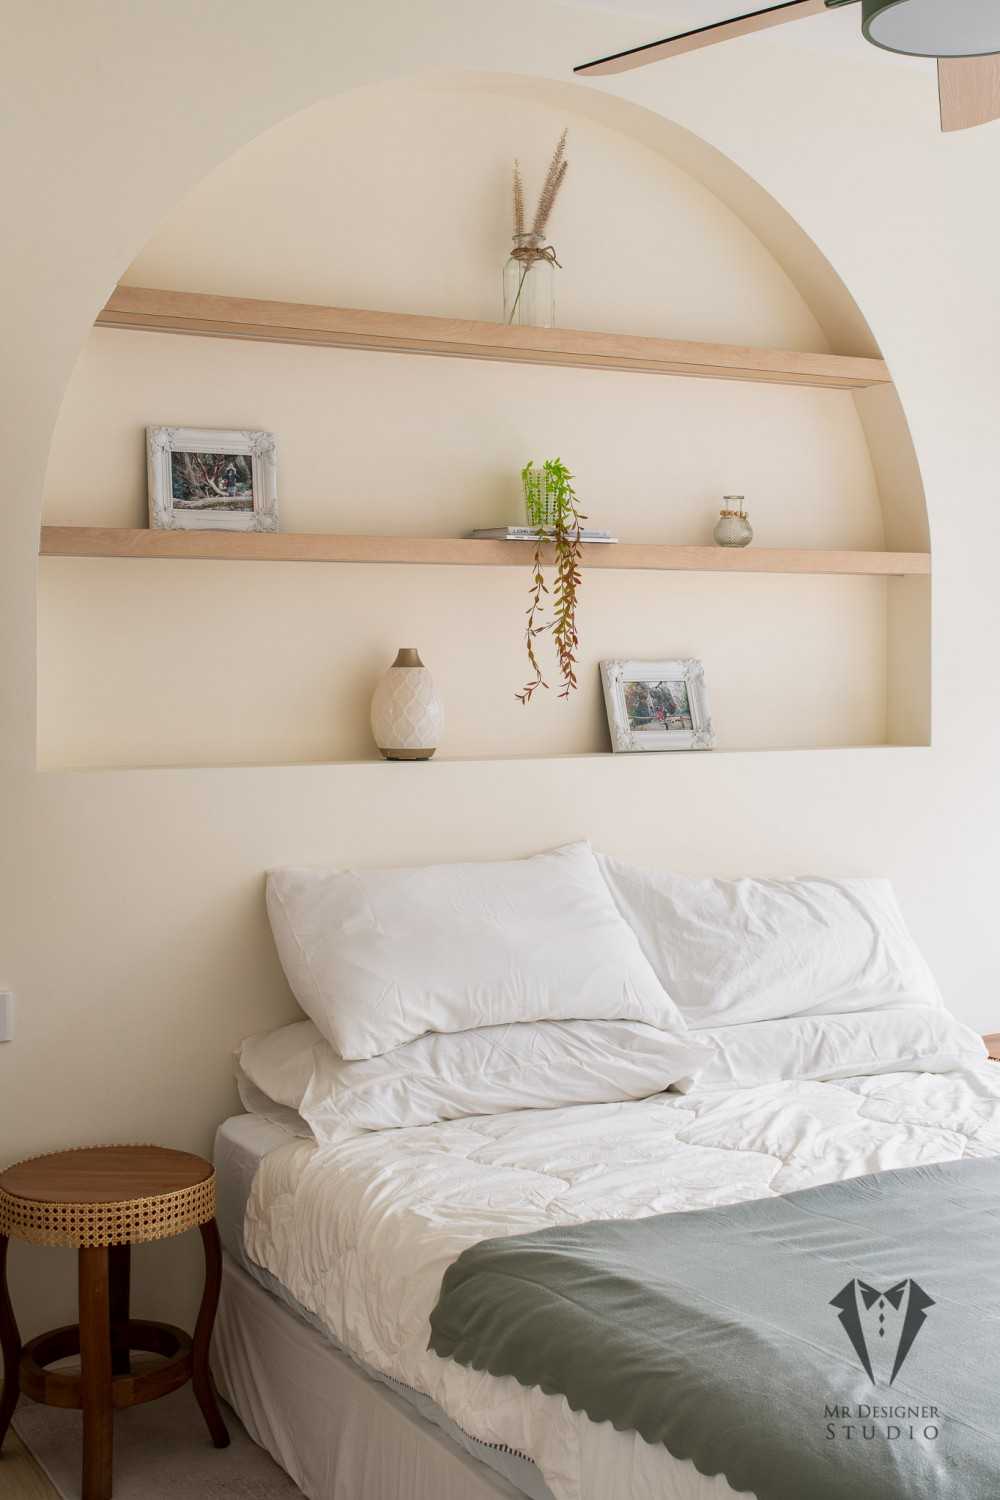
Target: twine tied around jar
[528,254]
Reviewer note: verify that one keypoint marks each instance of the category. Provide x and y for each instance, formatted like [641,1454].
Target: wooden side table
[101,1201]
[993,1045]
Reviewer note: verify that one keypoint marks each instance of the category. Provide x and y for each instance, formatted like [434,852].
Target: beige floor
[20,1476]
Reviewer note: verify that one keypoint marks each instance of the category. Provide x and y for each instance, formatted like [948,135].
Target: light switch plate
[6,1015]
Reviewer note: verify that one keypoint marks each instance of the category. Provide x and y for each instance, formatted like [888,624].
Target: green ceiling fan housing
[933,28]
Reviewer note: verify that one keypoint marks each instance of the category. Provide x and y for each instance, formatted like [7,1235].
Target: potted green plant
[554,510]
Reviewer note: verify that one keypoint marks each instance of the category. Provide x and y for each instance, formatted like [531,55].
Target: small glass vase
[733,528]
[529,293]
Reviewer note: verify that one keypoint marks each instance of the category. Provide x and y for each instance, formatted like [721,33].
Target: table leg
[10,1342]
[120,1276]
[95,1374]
[201,1378]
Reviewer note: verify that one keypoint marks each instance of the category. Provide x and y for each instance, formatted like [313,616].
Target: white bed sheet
[241,1144]
[361,1233]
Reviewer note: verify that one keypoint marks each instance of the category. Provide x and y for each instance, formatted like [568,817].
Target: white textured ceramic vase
[407,717]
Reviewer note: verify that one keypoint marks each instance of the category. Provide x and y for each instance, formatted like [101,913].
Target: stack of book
[532,533]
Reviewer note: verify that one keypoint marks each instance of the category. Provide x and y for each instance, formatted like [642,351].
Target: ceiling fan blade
[705,36]
[969,90]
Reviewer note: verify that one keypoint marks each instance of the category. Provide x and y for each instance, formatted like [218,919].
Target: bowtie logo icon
[857,1294]
[894,1296]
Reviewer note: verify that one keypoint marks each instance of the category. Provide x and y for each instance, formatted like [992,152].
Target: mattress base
[338,1433]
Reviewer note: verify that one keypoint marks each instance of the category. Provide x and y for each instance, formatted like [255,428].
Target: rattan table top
[106,1195]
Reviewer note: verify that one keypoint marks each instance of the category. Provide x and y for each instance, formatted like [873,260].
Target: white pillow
[378,957]
[256,1102]
[914,1039]
[531,1065]
[281,1063]
[729,951]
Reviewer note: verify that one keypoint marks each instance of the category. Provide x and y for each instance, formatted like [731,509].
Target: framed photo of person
[657,705]
[212,479]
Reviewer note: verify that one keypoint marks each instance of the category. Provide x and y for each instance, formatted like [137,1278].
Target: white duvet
[362,1232]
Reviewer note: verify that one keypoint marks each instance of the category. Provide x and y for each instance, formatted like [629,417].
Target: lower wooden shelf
[54,767]
[289,546]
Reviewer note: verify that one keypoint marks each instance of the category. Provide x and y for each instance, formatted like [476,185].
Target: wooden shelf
[486,757]
[290,546]
[351,328]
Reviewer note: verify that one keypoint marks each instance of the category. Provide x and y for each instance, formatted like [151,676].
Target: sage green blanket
[841,1343]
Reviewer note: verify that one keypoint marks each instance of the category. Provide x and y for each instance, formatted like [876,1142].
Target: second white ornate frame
[262,450]
[614,676]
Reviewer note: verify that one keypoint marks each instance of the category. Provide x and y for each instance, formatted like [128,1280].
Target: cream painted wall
[131,922]
[156,663]
[399,197]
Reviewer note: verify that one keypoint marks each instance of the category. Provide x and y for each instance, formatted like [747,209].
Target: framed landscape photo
[212,479]
[657,705]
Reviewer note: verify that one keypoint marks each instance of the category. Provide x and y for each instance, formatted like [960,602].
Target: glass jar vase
[529,294]
[733,528]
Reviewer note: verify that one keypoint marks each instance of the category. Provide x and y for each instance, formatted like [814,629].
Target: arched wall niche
[395,196]
[136,938]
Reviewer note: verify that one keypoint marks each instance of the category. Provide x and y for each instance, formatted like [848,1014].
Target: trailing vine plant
[562,510]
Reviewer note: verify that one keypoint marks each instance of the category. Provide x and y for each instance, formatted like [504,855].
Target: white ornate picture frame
[640,697]
[236,506]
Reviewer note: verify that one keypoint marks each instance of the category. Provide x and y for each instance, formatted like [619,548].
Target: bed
[695,1044]
[359,1236]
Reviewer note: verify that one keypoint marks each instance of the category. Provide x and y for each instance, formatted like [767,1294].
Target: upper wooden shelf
[291,546]
[351,328]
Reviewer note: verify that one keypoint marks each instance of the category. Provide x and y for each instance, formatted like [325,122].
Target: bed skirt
[339,1434]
